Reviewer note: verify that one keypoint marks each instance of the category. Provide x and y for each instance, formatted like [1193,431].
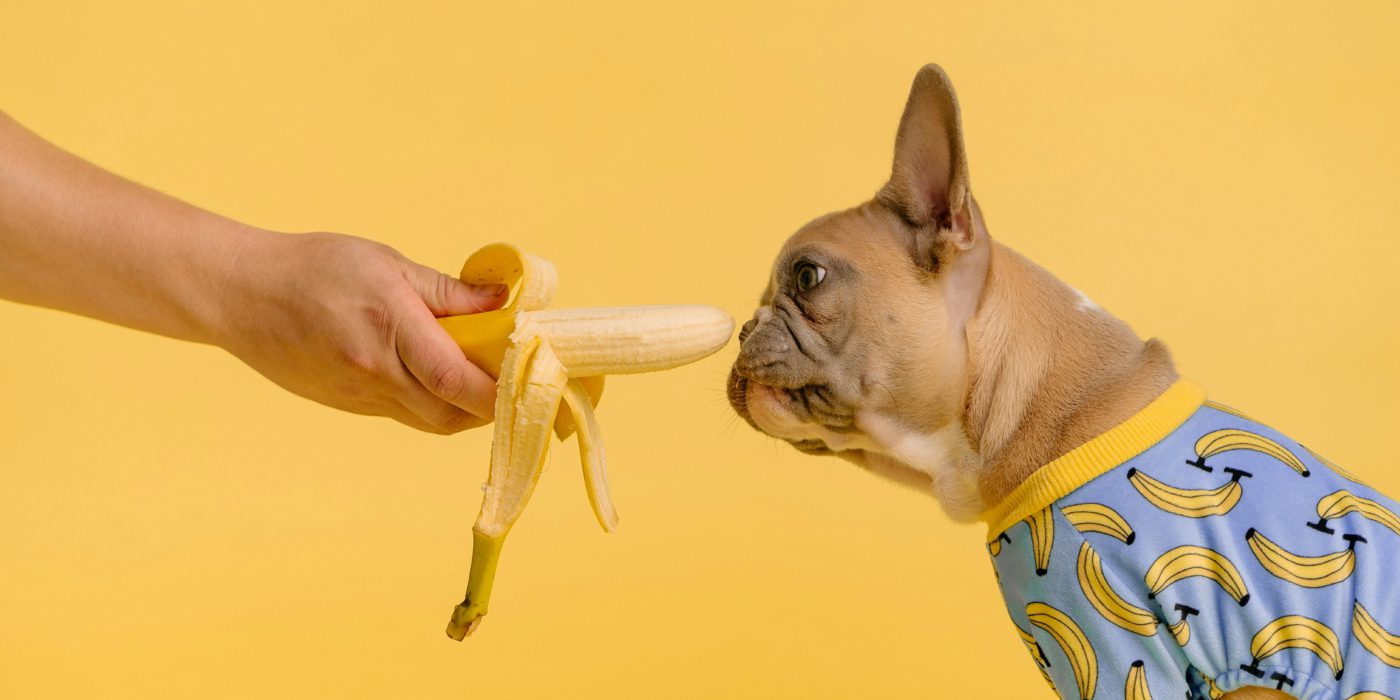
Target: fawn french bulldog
[1148,543]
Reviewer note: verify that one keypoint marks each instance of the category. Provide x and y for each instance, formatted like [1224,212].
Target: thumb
[446,295]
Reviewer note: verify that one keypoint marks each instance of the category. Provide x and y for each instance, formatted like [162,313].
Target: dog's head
[858,347]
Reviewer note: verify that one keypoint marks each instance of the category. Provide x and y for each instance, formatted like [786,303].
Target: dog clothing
[1190,551]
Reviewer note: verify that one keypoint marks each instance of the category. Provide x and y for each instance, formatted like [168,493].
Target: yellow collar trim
[1082,464]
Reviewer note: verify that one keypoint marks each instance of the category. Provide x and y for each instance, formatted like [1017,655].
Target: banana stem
[486,552]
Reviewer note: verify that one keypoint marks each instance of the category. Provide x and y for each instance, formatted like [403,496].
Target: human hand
[349,323]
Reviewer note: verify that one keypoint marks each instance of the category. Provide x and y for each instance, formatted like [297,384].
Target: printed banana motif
[1220,441]
[1037,654]
[540,359]
[1192,503]
[1096,517]
[1374,638]
[1369,695]
[1215,692]
[1136,687]
[994,547]
[1333,466]
[1042,527]
[1107,601]
[1306,571]
[1181,629]
[1083,661]
[1033,647]
[1296,632]
[1188,561]
[1340,503]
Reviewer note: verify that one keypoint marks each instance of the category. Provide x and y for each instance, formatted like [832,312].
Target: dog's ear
[928,186]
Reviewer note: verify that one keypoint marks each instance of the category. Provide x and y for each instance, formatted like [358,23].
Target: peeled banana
[540,359]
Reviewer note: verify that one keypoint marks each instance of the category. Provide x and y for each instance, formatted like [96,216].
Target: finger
[446,295]
[434,359]
[402,415]
[423,410]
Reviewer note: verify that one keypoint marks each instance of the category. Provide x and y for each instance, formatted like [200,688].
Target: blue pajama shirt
[1191,551]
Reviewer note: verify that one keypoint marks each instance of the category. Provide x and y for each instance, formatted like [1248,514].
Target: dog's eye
[808,276]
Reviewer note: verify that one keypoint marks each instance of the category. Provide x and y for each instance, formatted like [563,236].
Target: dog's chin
[773,411]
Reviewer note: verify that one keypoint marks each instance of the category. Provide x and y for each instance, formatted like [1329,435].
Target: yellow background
[1221,175]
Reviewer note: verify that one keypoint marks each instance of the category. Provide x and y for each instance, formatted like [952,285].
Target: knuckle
[381,319]
[361,362]
[443,286]
[447,380]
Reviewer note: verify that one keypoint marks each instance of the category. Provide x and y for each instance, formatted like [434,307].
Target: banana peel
[549,367]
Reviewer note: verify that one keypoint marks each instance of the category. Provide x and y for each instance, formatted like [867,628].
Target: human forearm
[338,319]
[77,238]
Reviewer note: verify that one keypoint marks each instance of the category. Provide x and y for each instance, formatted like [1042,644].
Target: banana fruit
[1084,662]
[1309,572]
[1191,503]
[1296,632]
[1106,600]
[1374,638]
[1189,561]
[540,359]
[1218,441]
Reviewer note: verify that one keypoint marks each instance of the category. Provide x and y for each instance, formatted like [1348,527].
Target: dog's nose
[762,351]
[747,329]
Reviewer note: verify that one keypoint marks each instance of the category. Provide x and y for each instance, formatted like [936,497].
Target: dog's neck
[1049,371]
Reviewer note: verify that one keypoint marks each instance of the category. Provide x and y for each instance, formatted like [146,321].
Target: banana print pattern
[1343,503]
[1107,601]
[1374,638]
[1137,683]
[1192,503]
[1042,533]
[1295,632]
[1331,465]
[1097,517]
[1181,629]
[1232,557]
[1310,572]
[1220,441]
[1037,654]
[1188,561]
[1072,641]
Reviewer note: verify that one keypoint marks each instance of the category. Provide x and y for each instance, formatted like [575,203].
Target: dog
[1148,543]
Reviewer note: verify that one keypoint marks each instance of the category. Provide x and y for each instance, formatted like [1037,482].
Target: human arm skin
[341,320]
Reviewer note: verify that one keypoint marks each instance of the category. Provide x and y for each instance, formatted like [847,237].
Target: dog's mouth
[810,404]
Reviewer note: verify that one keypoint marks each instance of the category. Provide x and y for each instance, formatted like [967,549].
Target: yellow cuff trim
[1082,464]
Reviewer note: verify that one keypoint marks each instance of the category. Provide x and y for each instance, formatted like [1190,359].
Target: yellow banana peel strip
[549,367]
